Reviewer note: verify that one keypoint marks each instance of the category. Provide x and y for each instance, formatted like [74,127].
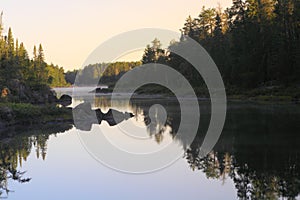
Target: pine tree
[42,71]
[10,43]
[41,57]
[154,53]
[218,27]
[148,56]
[24,63]
[17,48]
[191,28]
[34,53]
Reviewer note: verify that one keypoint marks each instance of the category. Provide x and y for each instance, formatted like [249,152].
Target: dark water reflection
[259,148]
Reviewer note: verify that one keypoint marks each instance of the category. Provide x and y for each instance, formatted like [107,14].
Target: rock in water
[65,100]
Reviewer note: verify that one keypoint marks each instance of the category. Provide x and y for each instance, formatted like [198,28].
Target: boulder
[65,100]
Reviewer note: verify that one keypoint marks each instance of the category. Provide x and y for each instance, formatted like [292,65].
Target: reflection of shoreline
[258,149]
[17,143]
[265,99]
[85,116]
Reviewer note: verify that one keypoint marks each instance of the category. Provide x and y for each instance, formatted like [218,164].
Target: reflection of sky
[134,142]
[69,172]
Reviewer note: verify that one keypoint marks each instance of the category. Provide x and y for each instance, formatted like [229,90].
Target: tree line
[15,63]
[254,43]
[102,73]
[16,67]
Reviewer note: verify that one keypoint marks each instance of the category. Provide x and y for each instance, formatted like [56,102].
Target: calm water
[256,157]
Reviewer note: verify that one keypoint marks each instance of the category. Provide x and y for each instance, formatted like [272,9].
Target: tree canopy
[255,44]
[18,69]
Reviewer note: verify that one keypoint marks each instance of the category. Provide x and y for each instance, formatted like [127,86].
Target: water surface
[257,157]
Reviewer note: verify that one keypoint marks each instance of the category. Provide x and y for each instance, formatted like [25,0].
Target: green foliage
[102,73]
[16,65]
[154,53]
[56,77]
[253,43]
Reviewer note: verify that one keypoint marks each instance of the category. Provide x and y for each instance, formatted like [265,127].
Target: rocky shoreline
[18,113]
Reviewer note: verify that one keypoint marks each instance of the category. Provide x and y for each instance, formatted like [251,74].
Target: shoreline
[288,95]
[230,98]
[13,114]
[282,95]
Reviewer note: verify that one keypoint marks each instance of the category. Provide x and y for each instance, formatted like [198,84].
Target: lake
[256,157]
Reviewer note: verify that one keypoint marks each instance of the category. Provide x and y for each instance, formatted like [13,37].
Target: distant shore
[276,94]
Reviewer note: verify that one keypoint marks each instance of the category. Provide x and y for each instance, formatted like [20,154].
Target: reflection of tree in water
[252,180]
[15,150]
[258,150]
[8,168]
[15,146]
[158,127]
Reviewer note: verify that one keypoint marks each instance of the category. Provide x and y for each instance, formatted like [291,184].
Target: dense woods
[16,64]
[255,44]
[105,73]
[23,78]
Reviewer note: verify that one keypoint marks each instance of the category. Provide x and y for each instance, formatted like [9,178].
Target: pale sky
[70,30]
